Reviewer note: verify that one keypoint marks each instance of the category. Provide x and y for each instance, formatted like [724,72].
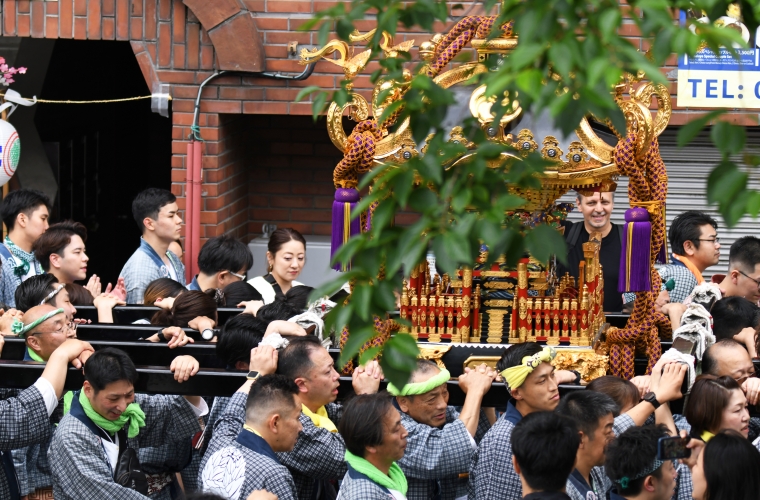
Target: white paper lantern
[10,151]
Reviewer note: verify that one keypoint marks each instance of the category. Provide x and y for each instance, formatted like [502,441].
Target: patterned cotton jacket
[238,462]
[32,466]
[435,457]
[25,422]
[318,456]
[356,486]
[492,474]
[141,269]
[79,462]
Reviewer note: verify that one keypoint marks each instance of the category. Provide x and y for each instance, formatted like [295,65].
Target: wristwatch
[650,398]
[207,334]
[253,375]
[577,380]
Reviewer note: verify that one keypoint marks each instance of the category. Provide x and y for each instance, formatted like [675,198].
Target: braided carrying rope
[648,182]
[358,157]
[360,147]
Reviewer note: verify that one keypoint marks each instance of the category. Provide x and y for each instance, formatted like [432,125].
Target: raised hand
[76,352]
[93,285]
[366,379]
[184,367]
[263,359]
[176,336]
[251,306]
[478,380]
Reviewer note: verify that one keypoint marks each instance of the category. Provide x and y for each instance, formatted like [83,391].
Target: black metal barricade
[126,315]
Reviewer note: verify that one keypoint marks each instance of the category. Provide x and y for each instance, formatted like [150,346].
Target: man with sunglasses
[221,261]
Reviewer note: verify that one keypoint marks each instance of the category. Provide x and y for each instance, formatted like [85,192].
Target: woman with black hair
[727,467]
[286,256]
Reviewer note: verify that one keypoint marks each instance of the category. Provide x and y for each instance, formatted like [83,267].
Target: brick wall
[290,180]
[257,168]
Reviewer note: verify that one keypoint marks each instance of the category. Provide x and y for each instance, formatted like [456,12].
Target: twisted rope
[360,148]
[648,182]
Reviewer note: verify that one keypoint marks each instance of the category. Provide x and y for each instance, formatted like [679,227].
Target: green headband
[421,387]
[21,330]
[625,480]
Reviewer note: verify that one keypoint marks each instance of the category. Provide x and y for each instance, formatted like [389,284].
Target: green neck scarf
[395,480]
[133,414]
[34,355]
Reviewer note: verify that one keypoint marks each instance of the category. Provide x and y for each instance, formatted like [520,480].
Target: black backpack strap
[122,441]
[573,234]
[277,290]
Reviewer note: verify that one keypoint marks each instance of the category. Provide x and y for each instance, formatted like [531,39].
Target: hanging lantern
[10,151]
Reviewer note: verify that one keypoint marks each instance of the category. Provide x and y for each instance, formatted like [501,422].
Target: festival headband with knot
[219,296]
[52,294]
[418,388]
[515,376]
[625,481]
[21,330]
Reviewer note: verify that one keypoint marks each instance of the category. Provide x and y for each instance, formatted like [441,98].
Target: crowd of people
[284,433]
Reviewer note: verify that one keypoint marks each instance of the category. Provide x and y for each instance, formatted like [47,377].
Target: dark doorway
[102,154]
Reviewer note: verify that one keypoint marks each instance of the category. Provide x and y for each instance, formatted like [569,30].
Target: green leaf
[369,355]
[544,241]
[609,21]
[753,204]
[728,138]
[319,104]
[356,339]
[689,131]
[308,90]
[399,359]
[331,287]
[725,182]
[323,33]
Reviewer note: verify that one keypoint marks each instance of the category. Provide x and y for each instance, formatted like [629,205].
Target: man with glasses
[743,278]
[47,327]
[729,358]
[221,261]
[695,245]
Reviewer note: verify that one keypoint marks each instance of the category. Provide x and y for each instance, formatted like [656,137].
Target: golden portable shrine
[495,305]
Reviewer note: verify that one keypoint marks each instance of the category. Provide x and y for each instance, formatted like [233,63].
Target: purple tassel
[635,275]
[343,204]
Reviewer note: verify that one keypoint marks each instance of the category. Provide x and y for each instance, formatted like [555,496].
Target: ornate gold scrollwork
[434,354]
[386,44]
[576,153]
[551,149]
[524,142]
[644,95]
[480,107]
[351,65]
[637,116]
[467,277]
[358,110]
[465,306]
[499,285]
